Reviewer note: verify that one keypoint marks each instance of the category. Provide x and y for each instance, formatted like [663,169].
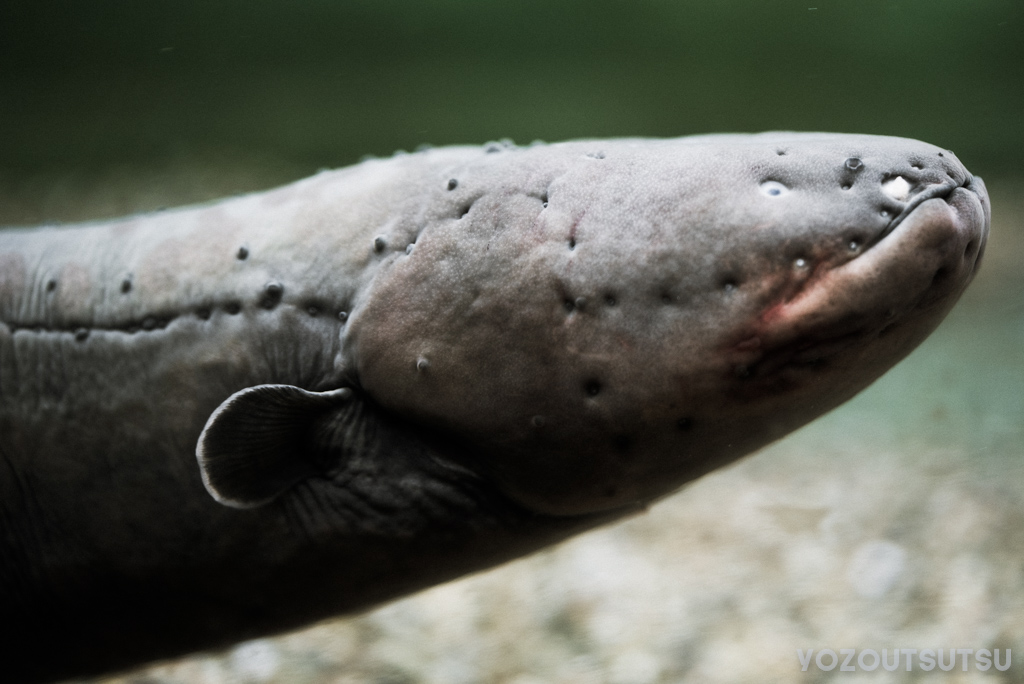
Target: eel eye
[774,188]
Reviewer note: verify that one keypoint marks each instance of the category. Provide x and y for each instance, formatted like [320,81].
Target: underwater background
[896,521]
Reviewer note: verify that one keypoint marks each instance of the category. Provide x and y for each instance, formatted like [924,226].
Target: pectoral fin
[256,444]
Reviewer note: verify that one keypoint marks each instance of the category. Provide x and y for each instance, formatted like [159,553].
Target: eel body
[232,420]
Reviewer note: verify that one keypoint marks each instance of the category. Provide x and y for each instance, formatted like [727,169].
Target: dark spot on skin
[595,155]
[204,313]
[492,148]
[233,308]
[684,424]
[854,164]
[544,199]
[917,165]
[780,152]
[81,335]
[272,293]
[846,186]
[51,285]
[126,286]
[453,183]
[409,247]
[379,244]
[580,302]
[343,316]
[243,253]
[572,243]
[537,421]
[610,300]
[622,442]
[666,298]
[148,323]
[465,209]
[313,310]
[941,155]
[569,305]
[729,284]
[592,388]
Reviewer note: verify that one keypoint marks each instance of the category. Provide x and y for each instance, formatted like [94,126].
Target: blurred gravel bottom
[896,522]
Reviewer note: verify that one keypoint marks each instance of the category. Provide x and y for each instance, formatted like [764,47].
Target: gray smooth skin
[534,341]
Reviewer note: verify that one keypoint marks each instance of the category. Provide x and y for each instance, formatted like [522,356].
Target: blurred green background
[317,83]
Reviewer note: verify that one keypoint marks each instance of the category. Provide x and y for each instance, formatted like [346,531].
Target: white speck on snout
[875,568]
[898,188]
[774,188]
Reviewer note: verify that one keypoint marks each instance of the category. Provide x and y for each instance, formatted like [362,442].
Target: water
[896,521]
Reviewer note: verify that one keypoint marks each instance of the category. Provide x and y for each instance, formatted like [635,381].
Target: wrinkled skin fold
[232,420]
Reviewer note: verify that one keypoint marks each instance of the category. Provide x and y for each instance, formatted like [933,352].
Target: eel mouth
[891,295]
[933,191]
